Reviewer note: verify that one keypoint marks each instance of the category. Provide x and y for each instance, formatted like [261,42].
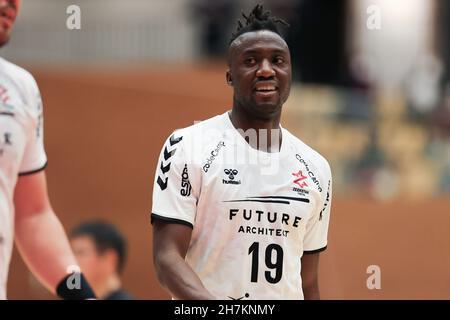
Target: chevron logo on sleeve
[169,151]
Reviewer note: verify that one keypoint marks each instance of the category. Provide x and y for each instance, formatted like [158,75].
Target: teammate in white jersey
[25,210]
[237,213]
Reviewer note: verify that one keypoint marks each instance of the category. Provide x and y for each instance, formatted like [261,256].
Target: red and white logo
[300,177]
[3,95]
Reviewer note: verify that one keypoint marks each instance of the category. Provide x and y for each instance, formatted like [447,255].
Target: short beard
[253,110]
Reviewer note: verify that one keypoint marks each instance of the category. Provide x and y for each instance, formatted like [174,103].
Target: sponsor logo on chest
[231,177]
[4,97]
[213,156]
[301,176]
[300,182]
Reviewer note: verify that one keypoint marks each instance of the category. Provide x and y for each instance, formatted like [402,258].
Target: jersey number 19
[277,265]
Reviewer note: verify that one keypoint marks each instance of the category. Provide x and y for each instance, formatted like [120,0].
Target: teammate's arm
[39,234]
[310,276]
[170,244]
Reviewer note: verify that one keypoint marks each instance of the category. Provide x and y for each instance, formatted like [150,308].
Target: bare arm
[39,234]
[170,244]
[310,276]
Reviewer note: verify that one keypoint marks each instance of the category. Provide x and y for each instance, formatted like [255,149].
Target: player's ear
[112,258]
[229,78]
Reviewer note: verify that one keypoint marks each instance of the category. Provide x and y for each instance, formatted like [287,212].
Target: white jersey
[21,148]
[254,214]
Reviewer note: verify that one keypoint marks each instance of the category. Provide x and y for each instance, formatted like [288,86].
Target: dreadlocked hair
[258,19]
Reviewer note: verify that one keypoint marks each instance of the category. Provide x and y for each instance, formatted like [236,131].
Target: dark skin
[170,245]
[260,74]
[257,61]
[310,276]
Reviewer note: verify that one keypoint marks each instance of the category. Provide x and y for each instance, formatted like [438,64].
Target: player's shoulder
[309,154]
[202,133]
[17,73]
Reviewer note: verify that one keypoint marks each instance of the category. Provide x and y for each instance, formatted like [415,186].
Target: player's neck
[243,120]
[107,287]
[268,132]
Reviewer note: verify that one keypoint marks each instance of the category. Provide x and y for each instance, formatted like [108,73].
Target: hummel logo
[231,173]
[165,162]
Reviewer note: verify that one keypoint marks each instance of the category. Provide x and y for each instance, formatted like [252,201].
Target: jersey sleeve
[34,158]
[316,235]
[174,198]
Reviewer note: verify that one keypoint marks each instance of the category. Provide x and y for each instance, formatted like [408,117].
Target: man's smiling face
[260,72]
